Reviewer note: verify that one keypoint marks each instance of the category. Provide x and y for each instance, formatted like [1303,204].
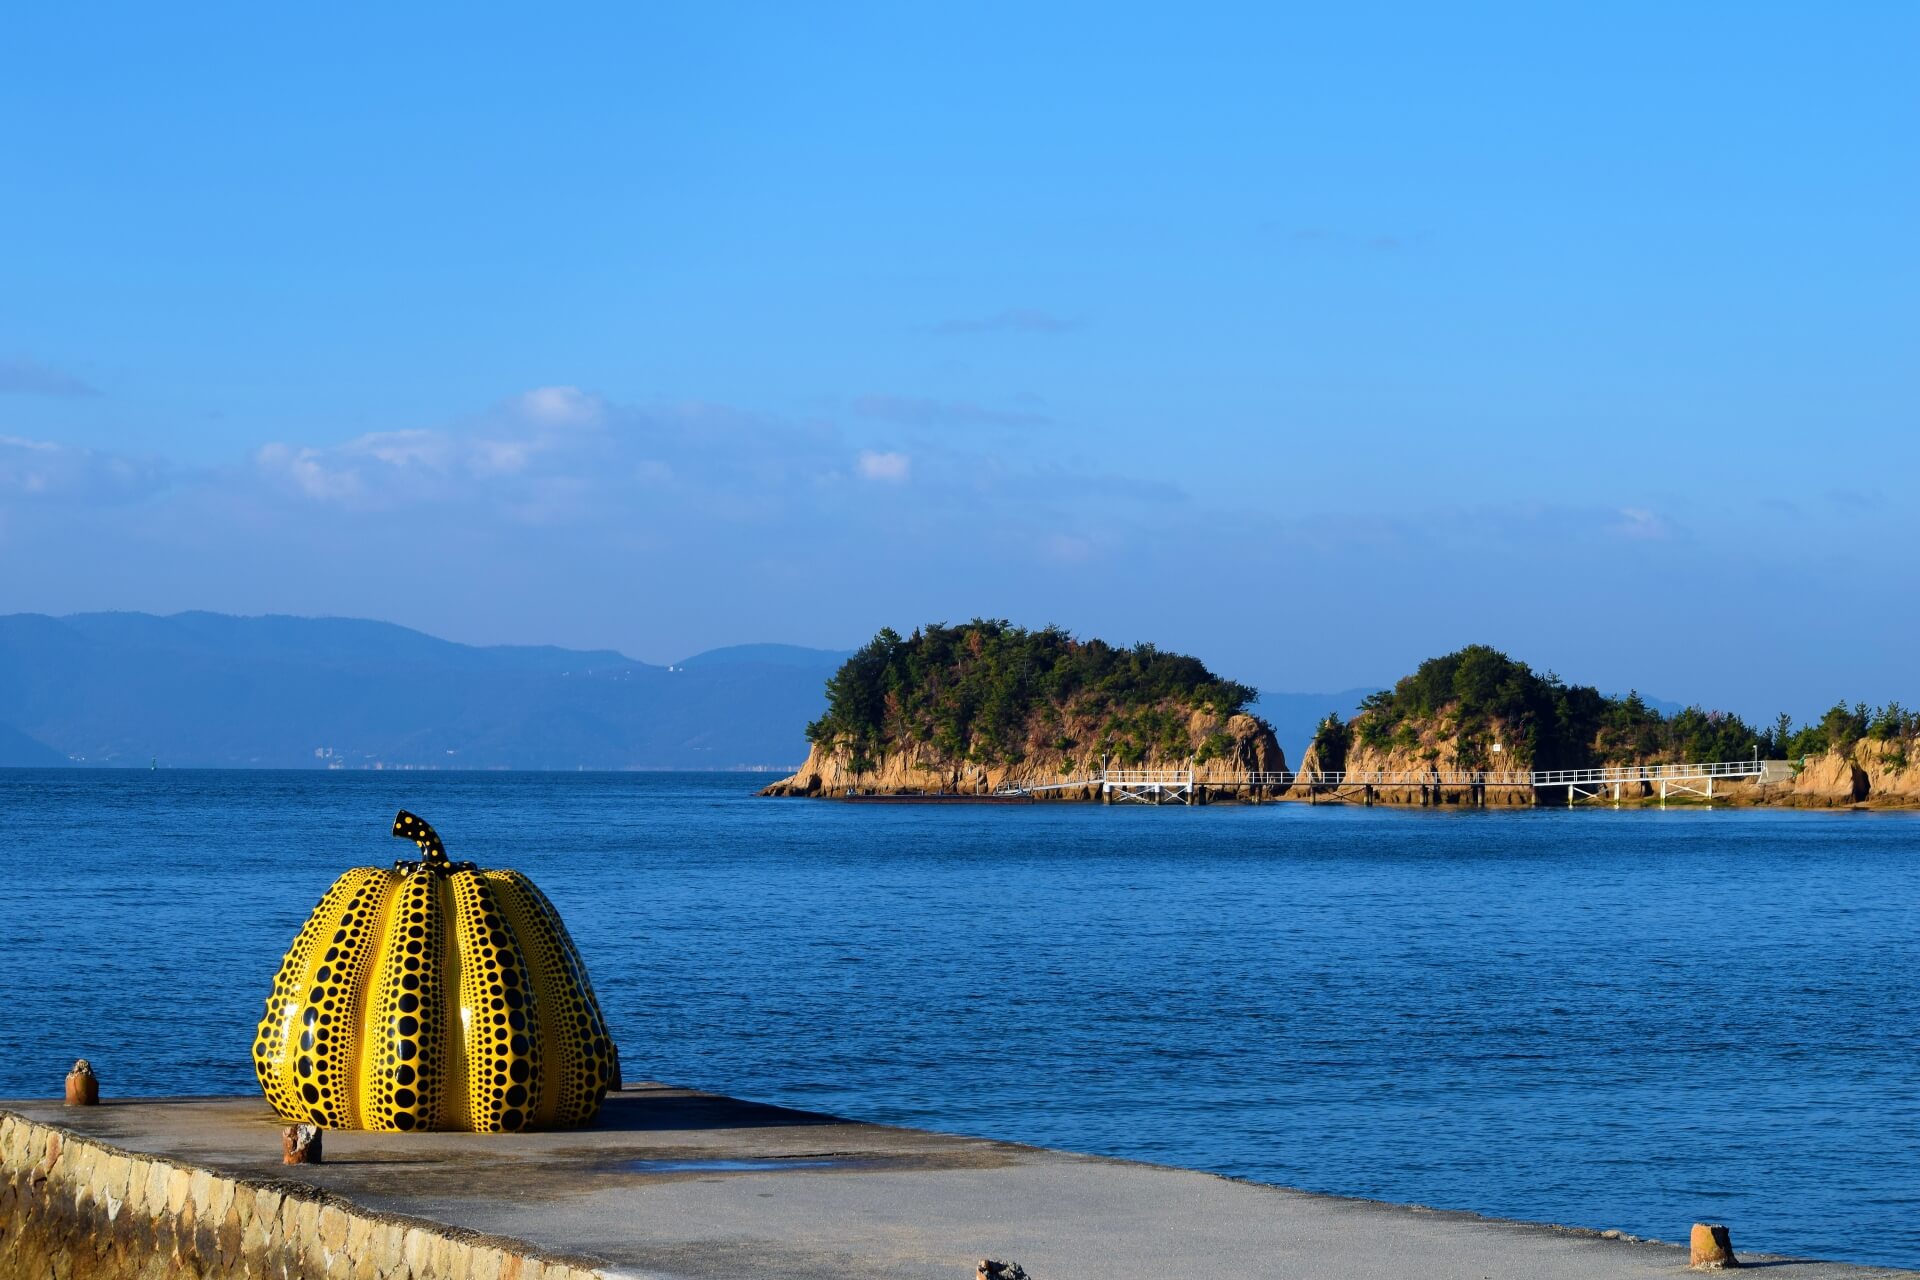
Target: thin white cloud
[561,406]
[421,464]
[559,454]
[502,457]
[889,468]
[1642,524]
[405,448]
[310,471]
[42,470]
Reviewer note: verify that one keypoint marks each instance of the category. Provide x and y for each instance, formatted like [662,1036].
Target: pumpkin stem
[408,827]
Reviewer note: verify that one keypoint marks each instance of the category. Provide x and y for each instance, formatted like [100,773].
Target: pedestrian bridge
[1160,786]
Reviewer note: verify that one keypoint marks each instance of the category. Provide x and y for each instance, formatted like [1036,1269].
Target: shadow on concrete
[666,1109]
[1757,1264]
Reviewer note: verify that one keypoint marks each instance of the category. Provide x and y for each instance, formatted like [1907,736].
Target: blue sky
[1311,340]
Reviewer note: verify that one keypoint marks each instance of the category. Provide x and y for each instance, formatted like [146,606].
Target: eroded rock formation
[1236,746]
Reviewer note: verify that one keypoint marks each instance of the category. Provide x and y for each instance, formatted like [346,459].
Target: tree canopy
[989,691]
[1546,723]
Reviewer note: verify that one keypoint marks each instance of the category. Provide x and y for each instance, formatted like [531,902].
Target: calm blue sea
[1609,1019]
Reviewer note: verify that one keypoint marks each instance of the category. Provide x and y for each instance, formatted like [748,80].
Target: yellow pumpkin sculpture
[434,996]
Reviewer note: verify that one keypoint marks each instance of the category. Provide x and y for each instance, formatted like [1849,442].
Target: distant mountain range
[209,690]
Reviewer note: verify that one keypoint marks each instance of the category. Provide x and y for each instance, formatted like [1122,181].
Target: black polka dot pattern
[302,1051]
[405,1049]
[581,1065]
[434,996]
[502,1032]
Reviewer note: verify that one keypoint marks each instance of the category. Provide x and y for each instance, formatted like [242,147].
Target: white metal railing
[1650,773]
[1028,788]
[1107,780]
[1146,777]
[1417,778]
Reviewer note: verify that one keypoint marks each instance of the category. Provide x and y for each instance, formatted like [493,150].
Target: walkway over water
[1156,786]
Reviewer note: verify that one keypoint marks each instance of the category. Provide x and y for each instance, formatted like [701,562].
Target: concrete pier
[675,1183]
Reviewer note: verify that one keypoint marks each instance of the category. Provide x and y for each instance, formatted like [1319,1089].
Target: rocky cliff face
[1870,773]
[920,768]
[1422,748]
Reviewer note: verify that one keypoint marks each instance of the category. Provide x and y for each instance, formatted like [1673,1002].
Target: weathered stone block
[390,1245]
[113,1183]
[184,1226]
[216,1198]
[484,1263]
[303,1235]
[332,1227]
[153,1190]
[75,1210]
[227,1235]
[179,1182]
[79,1181]
[262,1229]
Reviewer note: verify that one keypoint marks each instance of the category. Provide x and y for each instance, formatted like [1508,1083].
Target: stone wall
[72,1208]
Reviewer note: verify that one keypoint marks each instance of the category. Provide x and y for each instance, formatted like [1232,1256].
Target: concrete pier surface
[675,1183]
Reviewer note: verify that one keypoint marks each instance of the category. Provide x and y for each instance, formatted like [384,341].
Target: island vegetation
[987,692]
[986,708]
[1455,709]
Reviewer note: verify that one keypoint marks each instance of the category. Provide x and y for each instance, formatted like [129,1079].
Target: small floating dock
[680,1185]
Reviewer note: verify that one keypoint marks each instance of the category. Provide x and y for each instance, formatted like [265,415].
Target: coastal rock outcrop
[1424,772]
[1235,747]
[1874,773]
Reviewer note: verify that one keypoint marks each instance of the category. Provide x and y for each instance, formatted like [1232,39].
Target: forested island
[1477,708]
[978,707]
[1457,706]
[969,708]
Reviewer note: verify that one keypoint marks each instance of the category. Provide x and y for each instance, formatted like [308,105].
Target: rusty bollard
[83,1087]
[300,1144]
[991,1270]
[1712,1247]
